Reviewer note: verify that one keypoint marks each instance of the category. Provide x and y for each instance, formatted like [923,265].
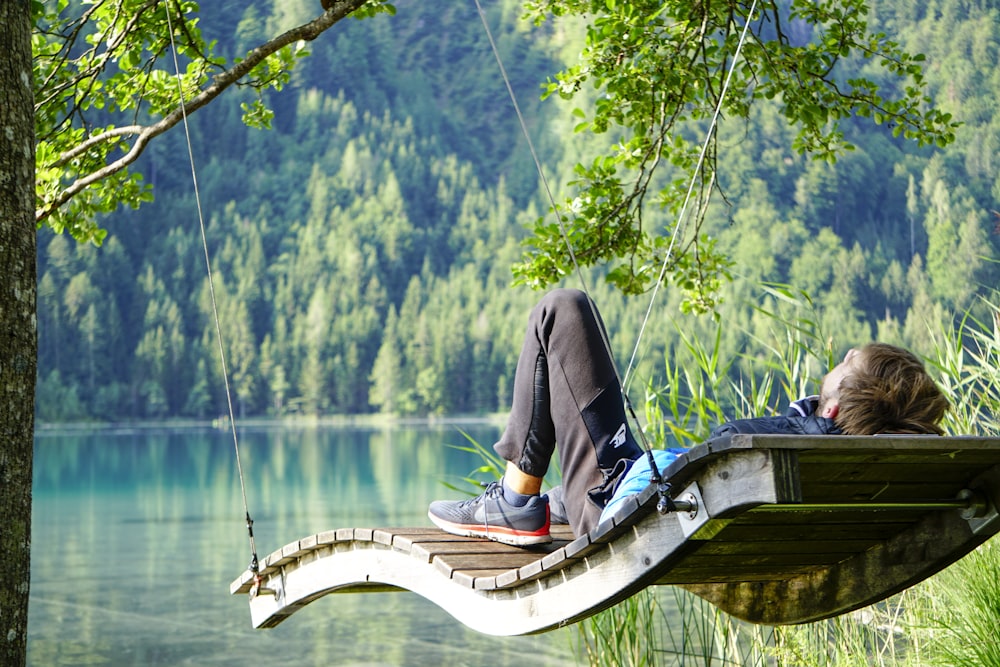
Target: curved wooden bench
[788,529]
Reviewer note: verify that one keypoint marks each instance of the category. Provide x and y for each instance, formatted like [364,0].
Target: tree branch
[222,81]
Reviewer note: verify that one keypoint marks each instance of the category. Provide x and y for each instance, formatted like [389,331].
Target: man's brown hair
[889,391]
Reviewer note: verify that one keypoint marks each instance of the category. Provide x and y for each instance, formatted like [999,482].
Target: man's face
[829,393]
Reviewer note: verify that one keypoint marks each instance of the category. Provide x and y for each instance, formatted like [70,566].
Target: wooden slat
[426,549]
[467,578]
[779,520]
[531,571]
[942,456]
[879,492]
[405,539]
[496,561]
[474,546]
[487,582]
[387,536]
[765,547]
[906,474]
[779,573]
[582,547]
[554,560]
[326,537]
[788,553]
[739,561]
[906,444]
[345,534]
[507,579]
[800,533]
[480,551]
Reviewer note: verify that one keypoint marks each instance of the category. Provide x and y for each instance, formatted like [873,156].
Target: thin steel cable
[531,145]
[559,218]
[211,290]
[687,197]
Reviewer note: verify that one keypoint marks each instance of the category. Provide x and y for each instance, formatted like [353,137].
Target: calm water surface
[138,533]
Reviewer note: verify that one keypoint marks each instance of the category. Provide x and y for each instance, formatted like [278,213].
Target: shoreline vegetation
[948,620]
[222,423]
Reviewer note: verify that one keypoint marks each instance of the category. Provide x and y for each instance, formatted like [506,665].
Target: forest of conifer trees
[362,247]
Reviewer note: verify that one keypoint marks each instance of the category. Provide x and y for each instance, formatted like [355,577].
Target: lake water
[137,534]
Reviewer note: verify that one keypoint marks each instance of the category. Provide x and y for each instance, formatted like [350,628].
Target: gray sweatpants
[567,397]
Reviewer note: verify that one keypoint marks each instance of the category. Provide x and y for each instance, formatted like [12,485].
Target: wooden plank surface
[880,490]
[945,473]
[451,563]
[739,533]
[766,547]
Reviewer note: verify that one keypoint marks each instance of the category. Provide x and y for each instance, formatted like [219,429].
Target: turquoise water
[138,533]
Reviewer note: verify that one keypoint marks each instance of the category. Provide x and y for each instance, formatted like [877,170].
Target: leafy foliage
[110,79]
[662,73]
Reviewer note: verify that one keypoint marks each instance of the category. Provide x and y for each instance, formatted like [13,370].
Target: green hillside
[362,248]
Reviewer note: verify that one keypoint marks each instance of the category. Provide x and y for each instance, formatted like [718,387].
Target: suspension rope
[687,197]
[565,236]
[559,219]
[254,562]
[531,148]
[665,502]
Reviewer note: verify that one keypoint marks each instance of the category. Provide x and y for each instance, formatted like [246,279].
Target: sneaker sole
[516,538]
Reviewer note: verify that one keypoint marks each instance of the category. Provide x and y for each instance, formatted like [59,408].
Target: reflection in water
[137,534]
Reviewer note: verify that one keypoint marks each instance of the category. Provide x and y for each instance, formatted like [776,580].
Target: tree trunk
[18,339]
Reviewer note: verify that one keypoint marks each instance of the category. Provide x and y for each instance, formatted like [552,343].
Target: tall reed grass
[953,619]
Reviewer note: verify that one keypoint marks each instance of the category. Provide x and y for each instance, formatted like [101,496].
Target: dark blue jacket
[800,419]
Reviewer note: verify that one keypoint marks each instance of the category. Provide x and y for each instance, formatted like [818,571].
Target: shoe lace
[493,490]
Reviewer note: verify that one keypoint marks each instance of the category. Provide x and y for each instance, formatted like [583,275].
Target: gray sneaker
[489,515]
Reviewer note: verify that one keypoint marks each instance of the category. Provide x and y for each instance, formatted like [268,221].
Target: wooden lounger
[781,529]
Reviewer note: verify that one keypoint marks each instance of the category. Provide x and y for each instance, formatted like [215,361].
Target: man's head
[882,389]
